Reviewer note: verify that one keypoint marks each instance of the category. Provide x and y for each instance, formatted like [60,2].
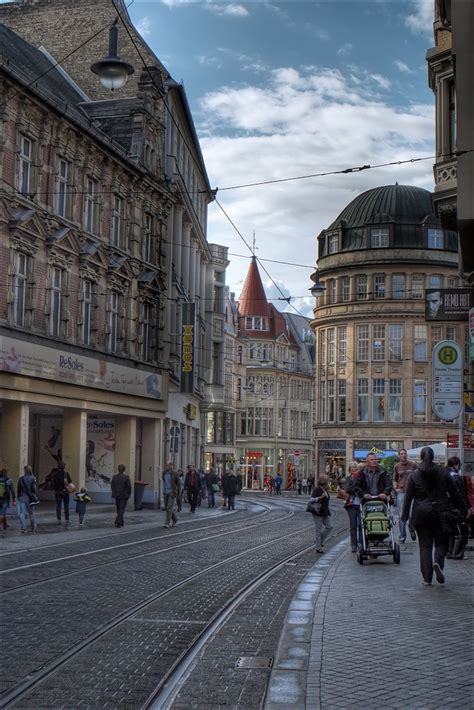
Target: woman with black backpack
[434,497]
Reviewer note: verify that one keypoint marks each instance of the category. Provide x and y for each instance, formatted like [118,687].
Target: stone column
[75,444]
[192,270]
[125,445]
[186,254]
[14,438]
[177,238]
[152,464]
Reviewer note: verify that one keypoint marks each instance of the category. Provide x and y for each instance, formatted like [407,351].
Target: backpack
[4,489]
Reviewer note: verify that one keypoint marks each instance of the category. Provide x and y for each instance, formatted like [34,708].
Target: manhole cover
[254,662]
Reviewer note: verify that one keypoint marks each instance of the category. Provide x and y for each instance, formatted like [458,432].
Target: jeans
[231,502]
[62,499]
[429,533]
[25,507]
[193,494]
[402,523]
[320,534]
[211,499]
[169,507]
[353,511]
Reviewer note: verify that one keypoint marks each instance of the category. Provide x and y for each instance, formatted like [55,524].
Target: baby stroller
[377,536]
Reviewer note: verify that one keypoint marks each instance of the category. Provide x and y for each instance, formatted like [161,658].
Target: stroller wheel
[360,555]
[396,553]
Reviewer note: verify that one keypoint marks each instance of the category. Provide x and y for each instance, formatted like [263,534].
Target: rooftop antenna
[254,241]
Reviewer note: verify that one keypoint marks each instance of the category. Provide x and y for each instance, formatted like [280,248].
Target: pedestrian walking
[224,480]
[322,523]
[7,494]
[82,498]
[27,499]
[352,506]
[179,499]
[121,492]
[431,488]
[373,482]
[460,534]
[212,485]
[299,486]
[278,484]
[192,484]
[304,484]
[60,479]
[232,489]
[401,473]
[271,485]
[170,481]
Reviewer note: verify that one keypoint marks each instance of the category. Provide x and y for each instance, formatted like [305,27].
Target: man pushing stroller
[373,481]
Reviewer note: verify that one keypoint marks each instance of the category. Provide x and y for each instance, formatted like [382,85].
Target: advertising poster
[50,442]
[100,454]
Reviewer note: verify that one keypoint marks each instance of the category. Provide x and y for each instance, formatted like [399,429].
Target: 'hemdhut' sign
[187,347]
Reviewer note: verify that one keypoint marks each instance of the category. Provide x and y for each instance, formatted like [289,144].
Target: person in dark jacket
[192,486]
[170,483]
[224,479]
[322,520]
[121,492]
[59,476]
[431,488]
[7,494]
[373,481]
[212,484]
[231,490]
[458,539]
[26,493]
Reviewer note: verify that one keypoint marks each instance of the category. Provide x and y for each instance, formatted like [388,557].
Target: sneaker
[426,584]
[402,540]
[438,573]
[321,552]
[174,523]
[166,526]
[23,530]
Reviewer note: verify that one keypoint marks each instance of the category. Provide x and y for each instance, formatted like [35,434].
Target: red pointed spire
[253,301]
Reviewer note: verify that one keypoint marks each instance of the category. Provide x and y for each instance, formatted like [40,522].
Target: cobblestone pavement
[122,667]
[378,638]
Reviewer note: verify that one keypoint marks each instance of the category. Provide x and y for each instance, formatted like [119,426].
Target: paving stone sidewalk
[379,638]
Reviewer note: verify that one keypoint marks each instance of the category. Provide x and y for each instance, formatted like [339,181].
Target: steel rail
[35,678]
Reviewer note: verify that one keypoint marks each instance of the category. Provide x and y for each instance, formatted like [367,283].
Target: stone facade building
[373,373]
[103,251]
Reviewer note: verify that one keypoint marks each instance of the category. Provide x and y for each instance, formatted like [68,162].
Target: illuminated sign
[187,347]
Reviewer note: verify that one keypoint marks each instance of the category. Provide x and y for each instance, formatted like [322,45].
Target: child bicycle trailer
[376,535]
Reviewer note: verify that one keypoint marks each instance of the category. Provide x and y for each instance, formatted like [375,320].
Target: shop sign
[254,454]
[188,328]
[100,453]
[31,360]
[448,303]
[448,380]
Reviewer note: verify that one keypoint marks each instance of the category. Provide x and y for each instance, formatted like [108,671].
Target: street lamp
[317,289]
[112,71]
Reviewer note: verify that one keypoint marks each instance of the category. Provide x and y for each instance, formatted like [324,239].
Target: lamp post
[112,71]
[317,289]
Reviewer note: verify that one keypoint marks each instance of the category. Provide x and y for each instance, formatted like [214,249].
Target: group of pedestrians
[432,503]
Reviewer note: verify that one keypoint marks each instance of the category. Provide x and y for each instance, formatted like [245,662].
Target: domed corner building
[373,374]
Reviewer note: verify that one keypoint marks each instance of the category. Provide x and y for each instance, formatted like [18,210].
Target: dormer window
[256,323]
[333,244]
[379,237]
[435,239]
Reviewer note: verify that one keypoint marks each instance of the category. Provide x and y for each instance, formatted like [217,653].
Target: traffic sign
[448,380]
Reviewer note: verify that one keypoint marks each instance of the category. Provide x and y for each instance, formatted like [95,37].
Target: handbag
[314,507]
[342,494]
[215,487]
[70,487]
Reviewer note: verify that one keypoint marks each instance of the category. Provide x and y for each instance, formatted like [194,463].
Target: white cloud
[302,122]
[402,67]
[231,9]
[421,18]
[144,26]
[176,3]
[344,50]
[381,81]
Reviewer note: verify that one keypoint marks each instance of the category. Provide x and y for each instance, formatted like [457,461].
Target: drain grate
[254,662]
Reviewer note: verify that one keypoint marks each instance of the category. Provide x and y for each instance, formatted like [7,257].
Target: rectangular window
[378,400]
[420,345]
[395,339]
[147,253]
[379,286]
[435,239]
[322,402]
[452,282]
[333,244]
[332,291]
[362,400]
[362,340]
[435,281]
[362,287]
[436,334]
[451,332]
[417,284]
[341,344]
[24,165]
[395,401]
[248,323]
[117,222]
[398,286]
[20,284]
[146,327]
[331,401]
[115,304]
[419,400]
[341,400]
[346,288]
[379,237]
[56,303]
[90,207]
[322,347]
[62,188]
[330,333]
[378,343]
[257,323]
[87,306]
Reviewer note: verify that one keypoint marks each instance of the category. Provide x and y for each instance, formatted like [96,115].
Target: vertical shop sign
[187,347]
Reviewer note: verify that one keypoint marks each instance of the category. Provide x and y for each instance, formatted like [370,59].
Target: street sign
[452,441]
[448,380]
